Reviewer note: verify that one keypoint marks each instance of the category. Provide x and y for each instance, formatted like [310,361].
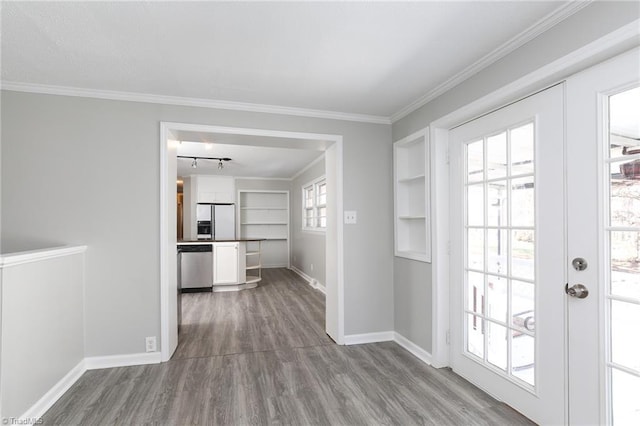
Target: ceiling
[247,160]
[369,58]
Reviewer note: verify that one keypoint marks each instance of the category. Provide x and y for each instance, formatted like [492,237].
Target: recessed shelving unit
[412,204]
[265,214]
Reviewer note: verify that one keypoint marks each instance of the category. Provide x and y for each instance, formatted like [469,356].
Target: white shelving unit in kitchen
[265,214]
[412,205]
[254,262]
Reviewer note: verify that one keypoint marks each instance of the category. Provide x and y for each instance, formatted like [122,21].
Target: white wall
[307,248]
[42,328]
[79,170]
[412,280]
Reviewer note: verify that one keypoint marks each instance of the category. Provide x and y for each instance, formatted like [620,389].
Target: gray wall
[412,280]
[307,248]
[86,171]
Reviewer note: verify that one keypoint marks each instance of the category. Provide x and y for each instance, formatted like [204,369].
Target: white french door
[603,210]
[508,261]
[545,260]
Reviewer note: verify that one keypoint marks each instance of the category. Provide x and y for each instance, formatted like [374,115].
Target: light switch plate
[350,217]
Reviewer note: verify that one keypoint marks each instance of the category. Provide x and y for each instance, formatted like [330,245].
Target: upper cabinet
[215,189]
[412,205]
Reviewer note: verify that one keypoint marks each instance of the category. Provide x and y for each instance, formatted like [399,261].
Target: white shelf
[264,223]
[252,253]
[252,279]
[263,208]
[419,177]
[253,267]
[411,195]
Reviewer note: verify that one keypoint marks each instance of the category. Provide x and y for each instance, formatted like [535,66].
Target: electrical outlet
[350,217]
[150,343]
[312,266]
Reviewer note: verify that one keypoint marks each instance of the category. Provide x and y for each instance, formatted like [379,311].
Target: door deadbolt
[579,264]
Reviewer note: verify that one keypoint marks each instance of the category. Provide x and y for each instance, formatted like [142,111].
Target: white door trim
[605,47]
[168,336]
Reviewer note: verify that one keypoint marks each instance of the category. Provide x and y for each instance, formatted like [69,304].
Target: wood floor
[261,357]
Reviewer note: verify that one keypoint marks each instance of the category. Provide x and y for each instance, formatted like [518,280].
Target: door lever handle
[578,291]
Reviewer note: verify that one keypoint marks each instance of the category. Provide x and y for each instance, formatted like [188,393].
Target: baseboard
[312,281]
[37,410]
[98,362]
[411,347]
[359,339]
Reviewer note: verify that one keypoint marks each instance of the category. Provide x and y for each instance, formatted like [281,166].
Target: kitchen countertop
[190,242]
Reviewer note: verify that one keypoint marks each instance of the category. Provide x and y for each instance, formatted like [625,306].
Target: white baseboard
[38,409]
[312,281]
[414,349]
[359,339]
[98,362]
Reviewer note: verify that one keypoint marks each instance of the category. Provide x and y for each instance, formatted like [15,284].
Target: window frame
[316,206]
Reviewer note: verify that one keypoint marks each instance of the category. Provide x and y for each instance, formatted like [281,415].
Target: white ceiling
[371,58]
[247,160]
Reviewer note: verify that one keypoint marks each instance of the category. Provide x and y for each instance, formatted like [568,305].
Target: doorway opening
[170,135]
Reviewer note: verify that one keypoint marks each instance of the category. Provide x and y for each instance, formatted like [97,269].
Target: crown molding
[16,86]
[544,24]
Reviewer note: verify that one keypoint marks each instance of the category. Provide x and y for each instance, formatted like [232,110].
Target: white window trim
[314,183]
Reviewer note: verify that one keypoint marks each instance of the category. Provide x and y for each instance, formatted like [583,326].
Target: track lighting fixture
[194,162]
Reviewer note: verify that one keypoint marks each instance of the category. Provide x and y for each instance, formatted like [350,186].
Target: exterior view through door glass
[623,237]
[508,254]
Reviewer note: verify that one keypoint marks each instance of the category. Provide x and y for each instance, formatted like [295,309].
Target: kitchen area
[211,254]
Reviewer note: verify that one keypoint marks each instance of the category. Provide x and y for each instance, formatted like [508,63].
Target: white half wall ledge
[20,258]
[315,284]
[127,360]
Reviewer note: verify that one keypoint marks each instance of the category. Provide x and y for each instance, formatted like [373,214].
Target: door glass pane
[522,155]
[625,348]
[475,205]
[624,123]
[475,292]
[522,194]
[522,254]
[625,193]
[625,400]
[475,248]
[625,263]
[497,203]
[497,250]
[497,345]
[497,156]
[522,305]
[497,298]
[522,357]
[475,336]
[475,162]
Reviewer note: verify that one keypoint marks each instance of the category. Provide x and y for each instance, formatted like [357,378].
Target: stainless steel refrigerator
[216,221]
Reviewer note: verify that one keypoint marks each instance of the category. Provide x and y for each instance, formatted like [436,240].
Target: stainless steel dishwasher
[196,267]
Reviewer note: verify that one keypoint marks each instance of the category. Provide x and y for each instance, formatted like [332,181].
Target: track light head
[194,163]
[220,165]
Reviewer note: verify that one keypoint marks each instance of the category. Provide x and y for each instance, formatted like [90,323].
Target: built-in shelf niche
[265,214]
[411,197]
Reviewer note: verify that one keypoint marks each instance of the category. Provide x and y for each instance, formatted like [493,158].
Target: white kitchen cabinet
[215,189]
[229,263]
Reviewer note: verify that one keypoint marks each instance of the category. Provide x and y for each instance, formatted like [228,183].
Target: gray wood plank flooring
[261,357]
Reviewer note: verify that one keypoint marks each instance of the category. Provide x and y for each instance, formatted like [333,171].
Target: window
[314,205]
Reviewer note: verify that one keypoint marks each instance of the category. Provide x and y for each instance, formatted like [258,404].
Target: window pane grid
[500,248]
[314,205]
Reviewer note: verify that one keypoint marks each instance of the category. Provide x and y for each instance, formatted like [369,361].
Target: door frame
[606,47]
[334,320]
